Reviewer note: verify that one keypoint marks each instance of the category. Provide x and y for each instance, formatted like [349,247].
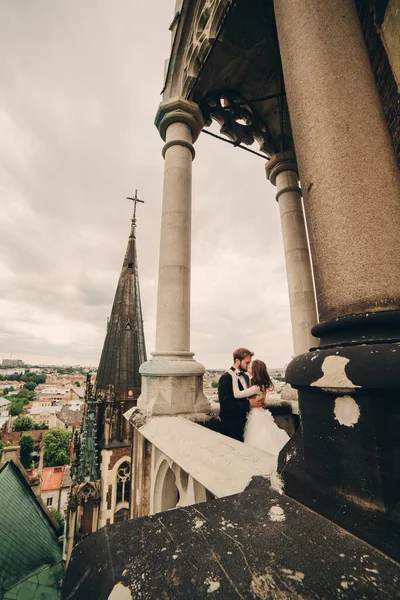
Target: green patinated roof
[43,584]
[28,540]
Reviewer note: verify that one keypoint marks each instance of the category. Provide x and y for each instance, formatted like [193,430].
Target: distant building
[46,415]
[10,383]
[12,362]
[4,404]
[14,437]
[56,482]
[71,416]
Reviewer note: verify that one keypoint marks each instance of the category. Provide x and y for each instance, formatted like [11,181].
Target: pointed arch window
[123,482]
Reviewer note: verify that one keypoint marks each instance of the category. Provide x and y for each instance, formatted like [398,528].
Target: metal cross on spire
[135,200]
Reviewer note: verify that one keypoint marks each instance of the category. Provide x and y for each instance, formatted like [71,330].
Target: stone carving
[237,120]
[208,18]
[85,493]
[124,472]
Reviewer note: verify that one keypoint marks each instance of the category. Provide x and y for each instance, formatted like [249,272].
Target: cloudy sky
[79,87]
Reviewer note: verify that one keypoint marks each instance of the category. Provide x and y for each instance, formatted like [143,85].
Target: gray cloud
[80,88]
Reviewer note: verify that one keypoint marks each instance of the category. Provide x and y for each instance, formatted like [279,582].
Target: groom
[233,411]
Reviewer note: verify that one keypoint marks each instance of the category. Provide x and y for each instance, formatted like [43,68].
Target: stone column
[282,171]
[346,464]
[172,380]
[71,533]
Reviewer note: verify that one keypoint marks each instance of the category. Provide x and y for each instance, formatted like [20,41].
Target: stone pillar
[282,172]
[71,532]
[172,380]
[346,464]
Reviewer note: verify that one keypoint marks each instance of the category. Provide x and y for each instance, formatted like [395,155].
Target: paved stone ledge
[257,544]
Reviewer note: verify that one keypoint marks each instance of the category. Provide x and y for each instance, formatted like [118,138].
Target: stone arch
[166,494]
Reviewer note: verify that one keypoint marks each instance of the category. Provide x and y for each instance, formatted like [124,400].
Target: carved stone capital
[282,161]
[179,110]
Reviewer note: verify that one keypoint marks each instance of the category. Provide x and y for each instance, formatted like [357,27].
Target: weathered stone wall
[118,453]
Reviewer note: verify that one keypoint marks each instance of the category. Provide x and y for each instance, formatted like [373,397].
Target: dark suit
[233,411]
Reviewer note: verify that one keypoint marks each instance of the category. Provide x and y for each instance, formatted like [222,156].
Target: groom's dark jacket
[233,411]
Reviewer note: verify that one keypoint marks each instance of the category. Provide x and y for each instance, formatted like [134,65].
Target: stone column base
[344,460]
[172,384]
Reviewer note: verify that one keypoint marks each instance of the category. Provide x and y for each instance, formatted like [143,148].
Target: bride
[260,430]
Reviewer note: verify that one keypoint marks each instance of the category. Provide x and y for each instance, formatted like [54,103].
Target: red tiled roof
[14,436]
[52,478]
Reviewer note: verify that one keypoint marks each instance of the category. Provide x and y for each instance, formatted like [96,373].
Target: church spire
[124,346]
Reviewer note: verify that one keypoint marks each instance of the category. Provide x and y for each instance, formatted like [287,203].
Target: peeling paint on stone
[120,592]
[295,575]
[344,585]
[276,514]
[277,482]
[334,374]
[198,523]
[346,411]
[213,585]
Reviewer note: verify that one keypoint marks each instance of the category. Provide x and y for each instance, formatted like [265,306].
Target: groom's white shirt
[241,379]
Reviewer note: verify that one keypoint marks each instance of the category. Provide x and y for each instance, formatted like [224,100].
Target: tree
[214,384]
[59,518]
[23,423]
[77,384]
[15,409]
[27,446]
[56,447]
[40,426]
[30,385]
[3,445]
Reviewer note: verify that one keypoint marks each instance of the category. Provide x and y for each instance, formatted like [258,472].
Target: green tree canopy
[15,409]
[40,426]
[3,445]
[26,445]
[23,423]
[30,385]
[214,384]
[56,447]
[59,518]
[22,393]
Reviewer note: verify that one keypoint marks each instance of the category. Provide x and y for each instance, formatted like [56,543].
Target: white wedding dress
[260,430]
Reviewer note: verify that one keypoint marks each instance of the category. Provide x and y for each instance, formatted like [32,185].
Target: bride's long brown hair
[260,375]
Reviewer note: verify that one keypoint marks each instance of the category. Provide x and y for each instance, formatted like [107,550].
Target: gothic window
[121,515]
[123,482]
